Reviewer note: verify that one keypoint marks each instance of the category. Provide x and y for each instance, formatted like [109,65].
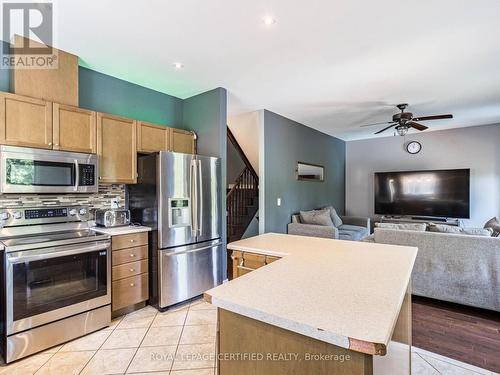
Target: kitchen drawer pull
[132,284]
[132,255]
[132,240]
[131,270]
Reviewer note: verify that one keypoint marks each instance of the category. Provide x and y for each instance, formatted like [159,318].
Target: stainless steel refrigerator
[178,196]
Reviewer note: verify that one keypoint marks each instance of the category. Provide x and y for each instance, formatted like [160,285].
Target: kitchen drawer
[129,240]
[129,269]
[270,259]
[253,261]
[129,291]
[129,255]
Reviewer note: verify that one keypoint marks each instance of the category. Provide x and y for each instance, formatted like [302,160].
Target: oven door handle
[68,250]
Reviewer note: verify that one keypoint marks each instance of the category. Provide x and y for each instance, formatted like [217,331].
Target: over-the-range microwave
[31,170]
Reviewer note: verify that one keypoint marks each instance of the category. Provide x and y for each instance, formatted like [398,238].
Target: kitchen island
[327,306]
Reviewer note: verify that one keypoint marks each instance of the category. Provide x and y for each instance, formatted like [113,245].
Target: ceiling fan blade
[378,123]
[384,129]
[436,117]
[416,125]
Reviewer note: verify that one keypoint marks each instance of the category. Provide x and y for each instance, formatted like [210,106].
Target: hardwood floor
[463,333]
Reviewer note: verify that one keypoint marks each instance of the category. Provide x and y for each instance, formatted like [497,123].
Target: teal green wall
[285,143]
[4,73]
[104,93]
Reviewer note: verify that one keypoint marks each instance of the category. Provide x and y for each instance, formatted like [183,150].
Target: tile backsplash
[102,199]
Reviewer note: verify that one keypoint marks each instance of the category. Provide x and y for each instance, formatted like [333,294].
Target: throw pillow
[316,217]
[494,224]
[443,228]
[337,221]
[418,227]
[487,232]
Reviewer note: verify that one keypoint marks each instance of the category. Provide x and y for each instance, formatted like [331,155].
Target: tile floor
[177,342]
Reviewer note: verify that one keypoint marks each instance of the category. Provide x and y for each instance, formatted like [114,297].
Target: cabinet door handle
[132,284]
[50,143]
[132,270]
[132,255]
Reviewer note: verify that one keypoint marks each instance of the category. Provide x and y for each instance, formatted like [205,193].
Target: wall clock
[413,147]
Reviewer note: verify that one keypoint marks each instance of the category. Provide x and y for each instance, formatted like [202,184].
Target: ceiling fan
[403,121]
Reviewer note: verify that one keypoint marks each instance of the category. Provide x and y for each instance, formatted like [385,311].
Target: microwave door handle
[77,175]
[57,254]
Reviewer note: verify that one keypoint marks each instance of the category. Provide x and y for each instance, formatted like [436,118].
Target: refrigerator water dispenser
[180,212]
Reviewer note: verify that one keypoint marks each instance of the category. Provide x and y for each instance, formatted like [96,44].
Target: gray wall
[477,148]
[206,114]
[285,143]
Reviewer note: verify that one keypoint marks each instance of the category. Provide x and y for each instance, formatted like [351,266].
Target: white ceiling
[332,65]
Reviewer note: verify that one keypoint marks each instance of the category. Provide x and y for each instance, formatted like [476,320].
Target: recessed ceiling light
[268,20]
[178,65]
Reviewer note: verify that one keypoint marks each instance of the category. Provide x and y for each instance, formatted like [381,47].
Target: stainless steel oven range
[57,275]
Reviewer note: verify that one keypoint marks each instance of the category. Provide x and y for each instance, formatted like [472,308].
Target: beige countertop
[116,231]
[334,291]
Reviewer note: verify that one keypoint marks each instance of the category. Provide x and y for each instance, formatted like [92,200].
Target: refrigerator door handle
[192,250]
[199,202]
[194,200]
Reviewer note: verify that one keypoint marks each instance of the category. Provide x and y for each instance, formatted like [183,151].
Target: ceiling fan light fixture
[402,130]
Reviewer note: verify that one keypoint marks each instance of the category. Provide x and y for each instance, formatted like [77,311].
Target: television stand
[420,219]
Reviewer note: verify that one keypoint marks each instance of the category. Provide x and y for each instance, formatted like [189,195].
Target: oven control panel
[42,215]
[47,212]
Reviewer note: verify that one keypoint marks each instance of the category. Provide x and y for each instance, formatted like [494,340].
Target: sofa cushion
[419,227]
[337,221]
[316,217]
[494,224]
[351,235]
[478,231]
[443,228]
[352,232]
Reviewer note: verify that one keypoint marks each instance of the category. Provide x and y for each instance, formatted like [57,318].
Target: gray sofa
[457,268]
[353,228]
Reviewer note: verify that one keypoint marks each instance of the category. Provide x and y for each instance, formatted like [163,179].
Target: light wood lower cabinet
[116,147]
[74,129]
[245,262]
[25,121]
[129,271]
[129,240]
[152,138]
[182,141]
[129,291]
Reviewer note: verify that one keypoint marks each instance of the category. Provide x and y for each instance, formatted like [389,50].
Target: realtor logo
[27,35]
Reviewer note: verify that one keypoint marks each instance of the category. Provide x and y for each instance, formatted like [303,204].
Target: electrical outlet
[278,202]
[114,202]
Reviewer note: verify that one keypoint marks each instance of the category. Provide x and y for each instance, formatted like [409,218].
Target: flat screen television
[434,193]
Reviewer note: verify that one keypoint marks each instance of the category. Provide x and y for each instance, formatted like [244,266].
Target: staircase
[242,200]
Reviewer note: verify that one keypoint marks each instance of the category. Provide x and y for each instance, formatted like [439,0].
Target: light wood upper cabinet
[25,121]
[117,149]
[152,138]
[182,141]
[74,129]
